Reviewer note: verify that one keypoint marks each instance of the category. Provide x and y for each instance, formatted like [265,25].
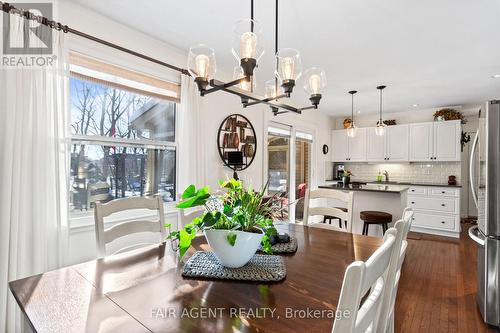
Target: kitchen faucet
[386,174]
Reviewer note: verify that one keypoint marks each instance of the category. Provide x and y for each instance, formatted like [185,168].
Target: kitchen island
[391,199]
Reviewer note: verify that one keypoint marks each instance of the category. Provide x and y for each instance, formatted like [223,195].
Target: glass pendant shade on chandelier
[247,48]
[352,129]
[314,83]
[380,129]
[247,44]
[201,64]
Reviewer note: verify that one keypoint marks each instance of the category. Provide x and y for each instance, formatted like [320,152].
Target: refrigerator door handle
[472,170]
[475,235]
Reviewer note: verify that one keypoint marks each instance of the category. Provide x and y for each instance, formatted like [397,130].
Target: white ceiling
[431,53]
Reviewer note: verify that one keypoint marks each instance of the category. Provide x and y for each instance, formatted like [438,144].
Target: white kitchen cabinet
[340,149]
[349,149]
[436,210]
[447,140]
[435,141]
[396,143]
[421,142]
[393,146]
[375,146]
[357,146]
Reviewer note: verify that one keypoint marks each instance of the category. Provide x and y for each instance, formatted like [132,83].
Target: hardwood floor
[437,292]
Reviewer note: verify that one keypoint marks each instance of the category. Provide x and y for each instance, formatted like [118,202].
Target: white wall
[213,109]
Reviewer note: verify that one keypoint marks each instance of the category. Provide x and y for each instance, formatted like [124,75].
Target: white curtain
[190,154]
[33,170]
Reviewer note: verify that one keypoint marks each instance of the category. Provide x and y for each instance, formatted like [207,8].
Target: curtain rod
[8,8]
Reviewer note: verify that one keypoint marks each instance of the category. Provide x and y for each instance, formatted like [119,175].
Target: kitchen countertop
[388,188]
[416,184]
[401,183]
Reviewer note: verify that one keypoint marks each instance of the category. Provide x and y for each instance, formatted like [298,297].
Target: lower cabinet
[437,210]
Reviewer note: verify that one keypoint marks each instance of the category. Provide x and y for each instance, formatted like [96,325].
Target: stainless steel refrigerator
[485,185]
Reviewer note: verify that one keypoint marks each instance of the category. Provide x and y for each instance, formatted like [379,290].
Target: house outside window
[123,127]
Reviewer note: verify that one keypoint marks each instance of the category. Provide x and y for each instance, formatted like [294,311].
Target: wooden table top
[143,291]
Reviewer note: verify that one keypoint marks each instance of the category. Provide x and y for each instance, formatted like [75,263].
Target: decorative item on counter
[347,123]
[390,122]
[234,232]
[449,114]
[380,177]
[452,180]
[465,138]
[346,177]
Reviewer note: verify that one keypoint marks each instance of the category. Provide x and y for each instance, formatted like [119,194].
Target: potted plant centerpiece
[346,177]
[235,222]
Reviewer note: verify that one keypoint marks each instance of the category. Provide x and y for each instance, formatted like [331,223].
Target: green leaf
[184,242]
[208,220]
[189,192]
[231,238]
[187,203]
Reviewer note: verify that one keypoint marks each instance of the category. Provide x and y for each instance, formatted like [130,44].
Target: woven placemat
[290,247]
[261,268]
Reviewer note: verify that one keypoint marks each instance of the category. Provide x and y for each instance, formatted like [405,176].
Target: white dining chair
[105,236]
[345,198]
[364,278]
[386,323]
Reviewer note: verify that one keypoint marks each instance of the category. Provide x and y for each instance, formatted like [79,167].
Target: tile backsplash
[434,173]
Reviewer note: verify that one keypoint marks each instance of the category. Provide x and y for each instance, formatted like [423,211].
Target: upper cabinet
[436,141]
[375,146]
[349,149]
[396,143]
[423,142]
[340,150]
[393,146]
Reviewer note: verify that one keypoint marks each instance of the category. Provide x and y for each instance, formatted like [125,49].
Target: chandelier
[247,48]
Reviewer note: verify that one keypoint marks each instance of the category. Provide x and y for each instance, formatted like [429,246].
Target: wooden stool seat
[375,217]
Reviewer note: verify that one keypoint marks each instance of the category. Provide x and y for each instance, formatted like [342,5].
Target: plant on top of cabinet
[449,114]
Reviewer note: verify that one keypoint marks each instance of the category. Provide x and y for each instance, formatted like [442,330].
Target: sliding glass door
[303,159]
[289,168]
[278,157]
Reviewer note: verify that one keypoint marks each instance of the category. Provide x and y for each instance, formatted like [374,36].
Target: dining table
[144,291]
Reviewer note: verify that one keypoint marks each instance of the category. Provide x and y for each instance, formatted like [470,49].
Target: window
[123,134]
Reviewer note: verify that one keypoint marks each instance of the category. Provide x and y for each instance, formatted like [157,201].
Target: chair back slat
[389,298]
[127,228]
[104,236]
[362,316]
[329,211]
[120,205]
[346,199]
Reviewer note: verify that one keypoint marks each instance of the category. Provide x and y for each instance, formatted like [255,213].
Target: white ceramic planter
[235,256]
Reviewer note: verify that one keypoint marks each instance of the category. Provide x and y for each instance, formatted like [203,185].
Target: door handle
[475,235]
[472,170]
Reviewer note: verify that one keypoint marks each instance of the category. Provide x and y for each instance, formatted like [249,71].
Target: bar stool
[330,218]
[375,217]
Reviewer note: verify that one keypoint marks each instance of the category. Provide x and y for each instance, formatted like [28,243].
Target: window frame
[84,218]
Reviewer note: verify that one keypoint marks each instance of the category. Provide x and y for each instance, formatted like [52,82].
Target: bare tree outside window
[102,172]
